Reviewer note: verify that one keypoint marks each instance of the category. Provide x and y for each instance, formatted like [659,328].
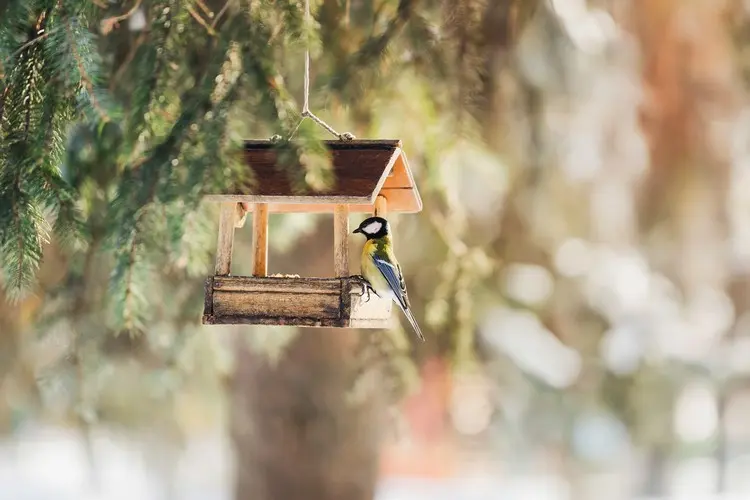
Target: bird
[381,270]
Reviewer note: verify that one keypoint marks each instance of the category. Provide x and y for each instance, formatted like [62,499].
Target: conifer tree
[116,117]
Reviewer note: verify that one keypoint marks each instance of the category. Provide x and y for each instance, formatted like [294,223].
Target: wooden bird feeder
[372,176]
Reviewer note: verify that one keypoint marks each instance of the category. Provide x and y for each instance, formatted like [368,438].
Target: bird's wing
[395,279]
[392,274]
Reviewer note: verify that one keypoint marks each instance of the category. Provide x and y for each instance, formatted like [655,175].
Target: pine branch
[428,54]
[221,13]
[3,97]
[30,43]
[374,48]
[202,6]
[151,180]
[129,276]
[151,60]
[83,74]
[36,112]
[200,20]
[25,231]
[108,24]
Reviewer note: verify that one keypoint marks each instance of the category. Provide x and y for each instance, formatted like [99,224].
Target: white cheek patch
[373,227]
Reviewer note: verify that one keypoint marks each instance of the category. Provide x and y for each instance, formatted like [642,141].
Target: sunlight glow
[521,336]
[696,415]
[527,283]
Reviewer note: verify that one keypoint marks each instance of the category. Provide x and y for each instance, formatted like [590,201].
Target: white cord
[306,103]
[306,113]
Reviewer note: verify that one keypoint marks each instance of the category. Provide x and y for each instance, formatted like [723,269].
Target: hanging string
[306,102]
[306,113]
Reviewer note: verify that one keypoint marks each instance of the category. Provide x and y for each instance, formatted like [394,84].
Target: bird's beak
[358,230]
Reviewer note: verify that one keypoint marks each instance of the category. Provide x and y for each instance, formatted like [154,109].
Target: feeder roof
[363,169]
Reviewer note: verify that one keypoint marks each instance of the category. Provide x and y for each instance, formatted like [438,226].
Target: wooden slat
[397,153]
[341,241]
[208,302]
[290,200]
[240,216]
[288,305]
[277,321]
[381,206]
[260,240]
[357,173]
[380,323]
[359,167]
[250,284]
[333,302]
[366,144]
[226,239]
[400,200]
[375,313]
[362,169]
[399,176]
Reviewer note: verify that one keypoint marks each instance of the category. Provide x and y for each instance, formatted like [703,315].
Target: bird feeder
[371,176]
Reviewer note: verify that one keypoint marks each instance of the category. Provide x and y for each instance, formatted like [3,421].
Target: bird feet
[366,286]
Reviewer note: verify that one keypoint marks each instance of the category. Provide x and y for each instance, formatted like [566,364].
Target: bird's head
[374,227]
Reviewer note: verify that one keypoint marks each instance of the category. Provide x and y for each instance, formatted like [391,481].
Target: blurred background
[581,268]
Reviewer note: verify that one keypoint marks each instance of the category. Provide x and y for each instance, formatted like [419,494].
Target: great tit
[381,269]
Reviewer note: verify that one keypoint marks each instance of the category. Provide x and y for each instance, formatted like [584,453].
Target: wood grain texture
[321,199]
[397,192]
[381,207]
[400,200]
[208,303]
[260,240]
[364,313]
[273,304]
[399,176]
[240,216]
[226,239]
[357,169]
[341,241]
[373,144]
[364,323]
[249,284]
[315,302]
[362,169]
[279,321]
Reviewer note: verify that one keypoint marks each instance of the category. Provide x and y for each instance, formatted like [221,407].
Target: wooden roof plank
[362,170]
[400,200]
[387,170]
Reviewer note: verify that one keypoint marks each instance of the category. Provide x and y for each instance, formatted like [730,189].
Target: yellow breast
[370,270]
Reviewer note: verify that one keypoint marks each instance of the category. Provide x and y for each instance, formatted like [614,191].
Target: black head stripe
[366,224]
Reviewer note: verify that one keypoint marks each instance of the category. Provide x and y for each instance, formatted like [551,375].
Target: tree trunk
[297,432]
[657,460]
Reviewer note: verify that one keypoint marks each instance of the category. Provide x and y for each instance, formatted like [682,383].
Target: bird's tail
[413,321]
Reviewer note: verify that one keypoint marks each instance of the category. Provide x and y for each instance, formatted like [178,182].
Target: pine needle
[83,74]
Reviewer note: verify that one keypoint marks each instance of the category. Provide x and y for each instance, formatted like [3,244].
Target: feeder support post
[241,209]
[260,240]
[341,241]
[226,239]
[381,206]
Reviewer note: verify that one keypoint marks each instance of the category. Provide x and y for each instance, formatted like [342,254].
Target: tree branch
[83,74]
[108,24]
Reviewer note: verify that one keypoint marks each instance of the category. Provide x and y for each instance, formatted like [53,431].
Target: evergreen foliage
[115,118]
[143,168]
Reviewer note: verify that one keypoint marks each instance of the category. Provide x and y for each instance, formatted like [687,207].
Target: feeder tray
[372,176]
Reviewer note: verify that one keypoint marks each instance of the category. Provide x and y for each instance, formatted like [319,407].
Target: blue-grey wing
[392,274]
